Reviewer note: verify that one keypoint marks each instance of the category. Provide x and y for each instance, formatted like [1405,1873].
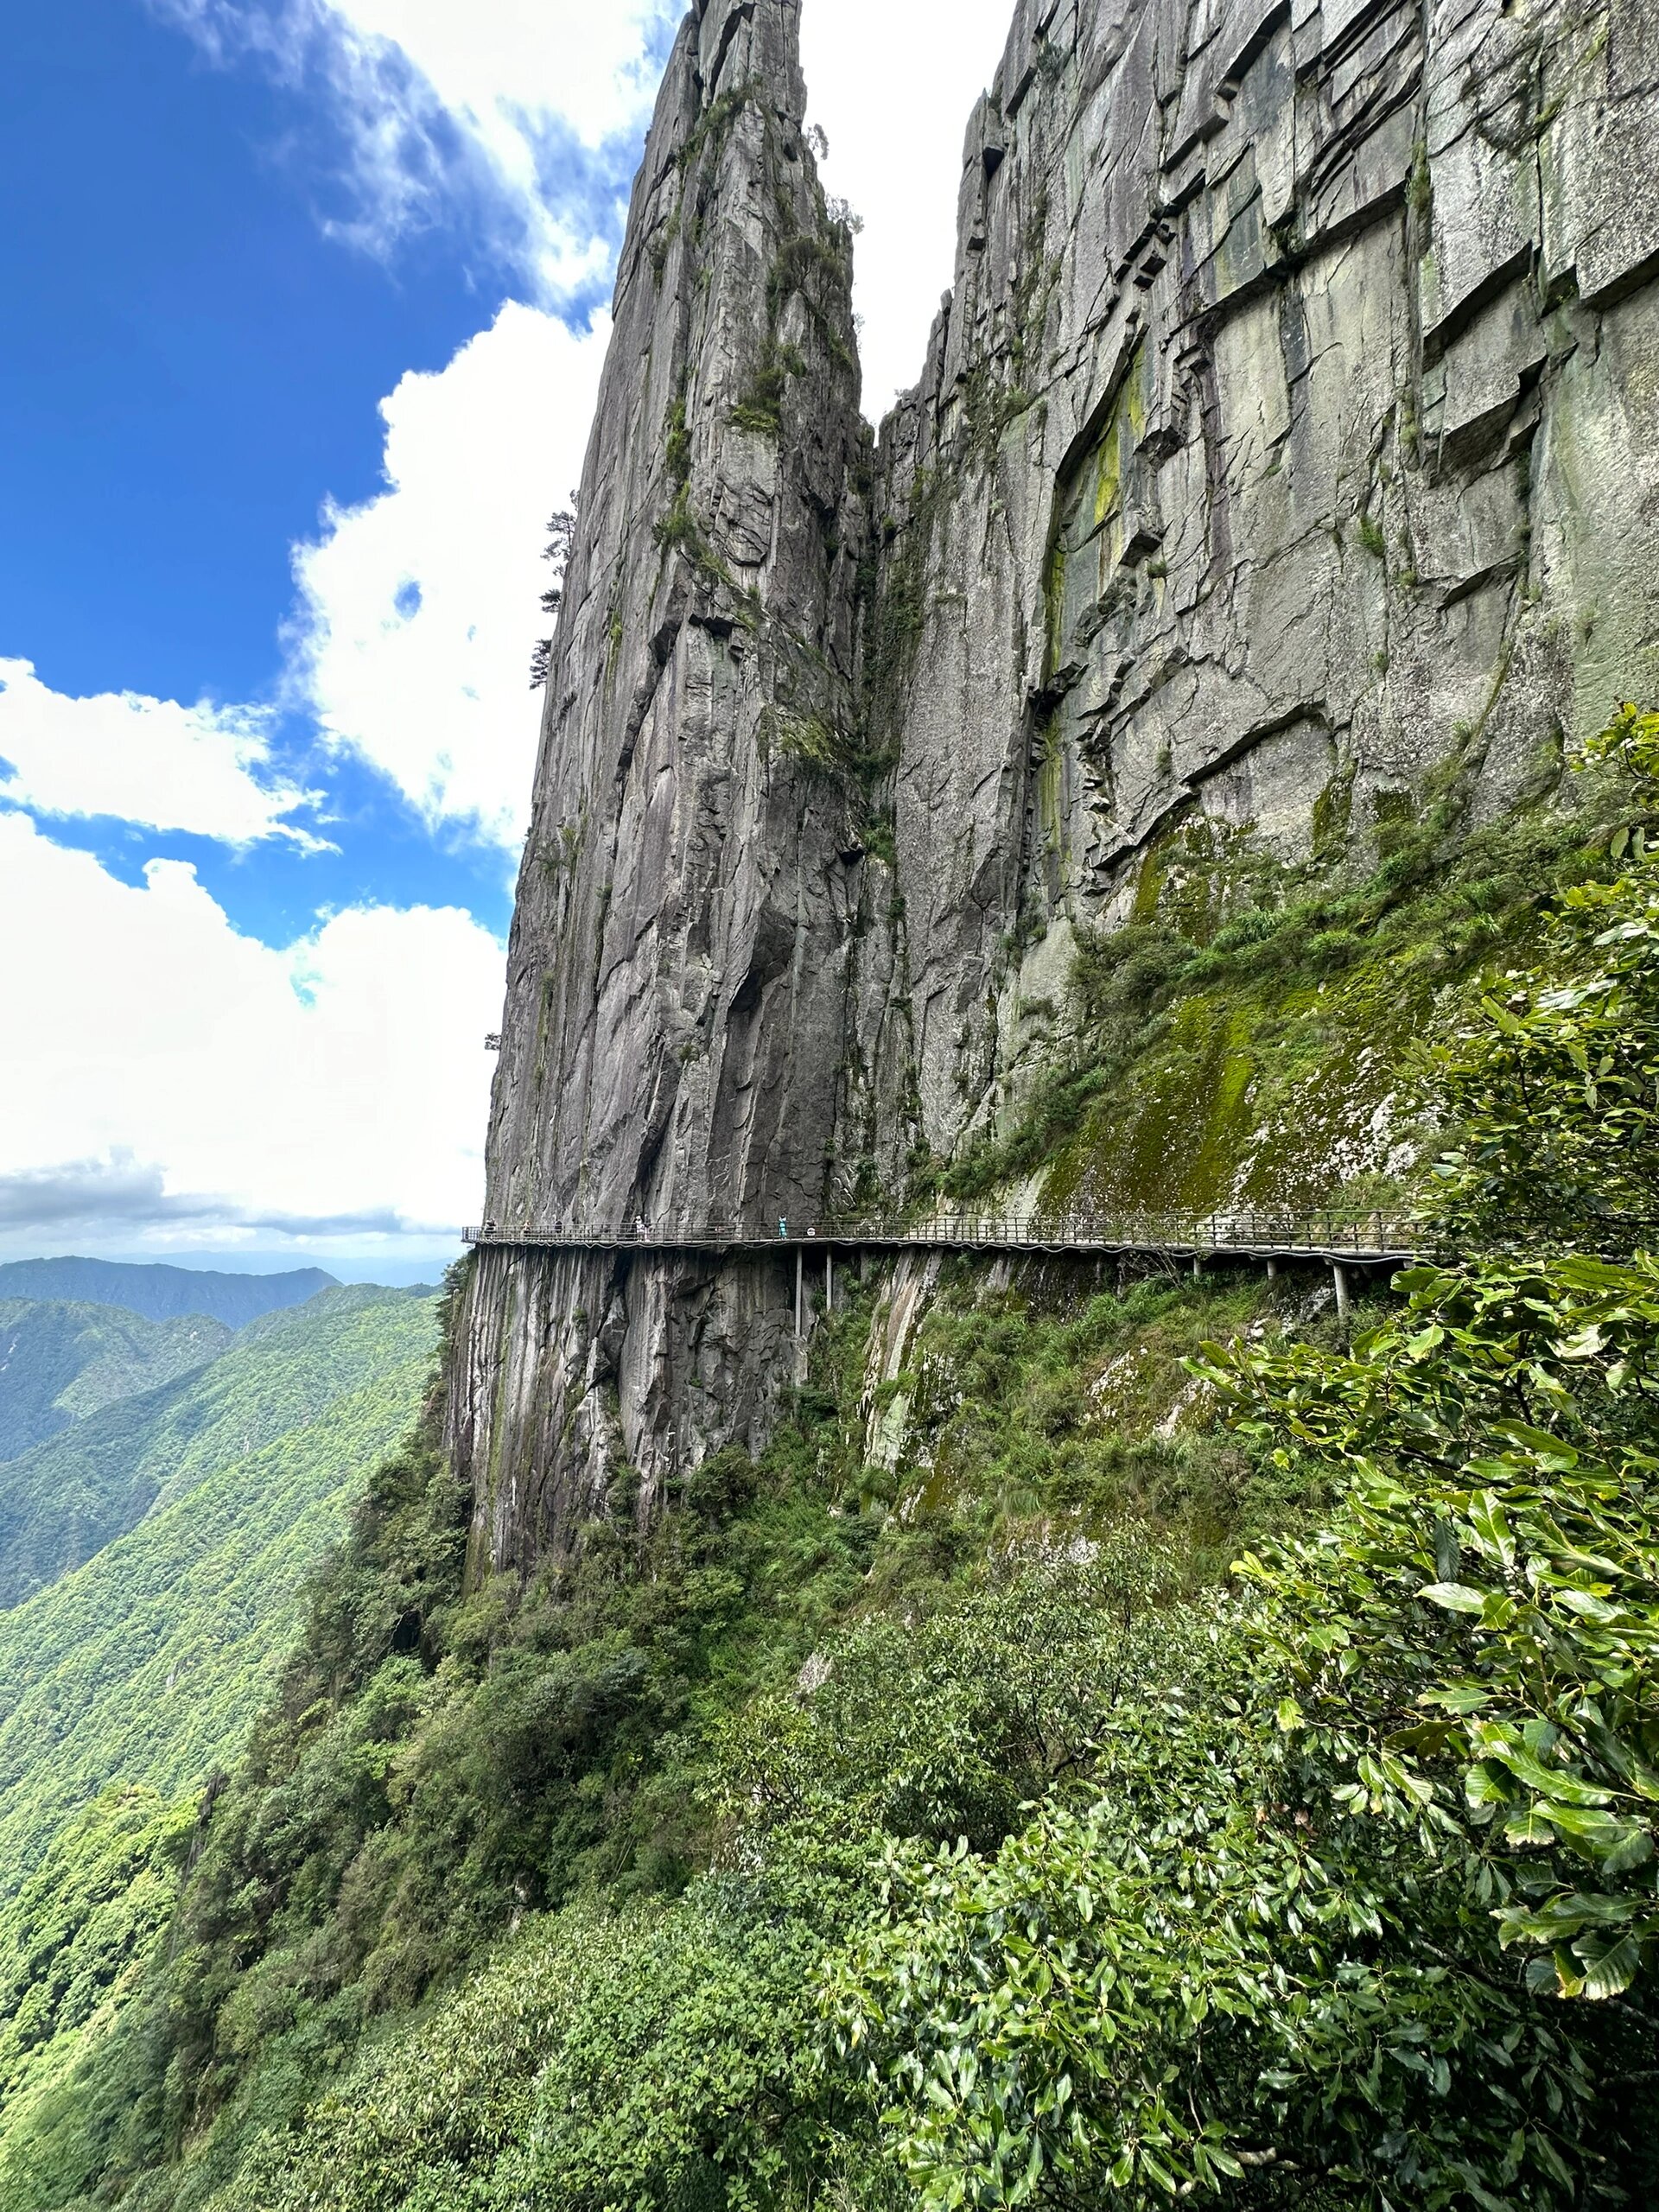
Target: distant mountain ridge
[163,1294]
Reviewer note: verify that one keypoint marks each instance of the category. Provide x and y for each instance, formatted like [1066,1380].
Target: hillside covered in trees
[60,1362]
[1215,1753]
[1090,1732]
[129,1682]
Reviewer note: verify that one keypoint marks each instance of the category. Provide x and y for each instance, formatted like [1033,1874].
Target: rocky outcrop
[1290,441]
[685,972]
[1286,452]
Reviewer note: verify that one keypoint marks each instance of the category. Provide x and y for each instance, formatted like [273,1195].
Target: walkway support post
[829,1282]
[800,1293]
[1340,1276]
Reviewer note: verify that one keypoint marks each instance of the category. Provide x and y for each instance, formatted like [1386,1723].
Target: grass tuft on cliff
[1244,1041]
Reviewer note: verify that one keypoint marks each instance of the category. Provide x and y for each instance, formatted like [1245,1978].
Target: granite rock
[1286,446]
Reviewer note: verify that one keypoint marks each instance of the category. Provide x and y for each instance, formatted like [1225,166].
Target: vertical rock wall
[687,941]
[1288,445]
[1286,452]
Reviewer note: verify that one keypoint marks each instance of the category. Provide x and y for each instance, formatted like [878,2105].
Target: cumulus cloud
[495,61]
[895,137]
[419,610]
[411,643]
[536,106]
[186,1073]
[532,109]
[203,770]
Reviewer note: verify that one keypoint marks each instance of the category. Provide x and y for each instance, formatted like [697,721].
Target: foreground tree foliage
[988,1853]
[1366,1895]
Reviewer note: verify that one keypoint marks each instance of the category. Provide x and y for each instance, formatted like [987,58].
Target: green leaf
[1538,1441]
[1587,1606]
[1462,1698]
[1448,1552]
[1579,1273]
[1490,1523]
[1598,1835]
[1159,2173]
[1610,1972]
[1455,1597]
[1527,1828]
[1554,1783]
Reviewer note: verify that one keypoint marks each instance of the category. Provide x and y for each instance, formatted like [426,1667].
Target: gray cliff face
[684,966]
[1288,451]
[1290,440]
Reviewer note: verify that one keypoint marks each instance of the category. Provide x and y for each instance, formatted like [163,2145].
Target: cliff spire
[681,955]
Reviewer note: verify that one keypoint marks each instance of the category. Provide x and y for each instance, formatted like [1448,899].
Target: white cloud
[544,98]
[420,608]
[895,127]
[204,770]
[338,1081]
[496,61]
[549,97]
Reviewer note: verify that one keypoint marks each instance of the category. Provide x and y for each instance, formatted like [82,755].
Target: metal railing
[1371,1239]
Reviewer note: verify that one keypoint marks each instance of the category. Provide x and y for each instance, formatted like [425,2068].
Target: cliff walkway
[1328,1239]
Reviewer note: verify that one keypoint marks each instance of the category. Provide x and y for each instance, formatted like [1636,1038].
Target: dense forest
[128,1682]
[60,1364]
[1210,1751]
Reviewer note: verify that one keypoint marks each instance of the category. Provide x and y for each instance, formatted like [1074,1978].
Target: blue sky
[195,364]
[304,319]
[190,364]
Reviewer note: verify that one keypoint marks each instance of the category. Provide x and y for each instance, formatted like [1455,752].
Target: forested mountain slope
[61,1503]
[921,1812]
[60,1362]
[1058,1734]
[141,1672]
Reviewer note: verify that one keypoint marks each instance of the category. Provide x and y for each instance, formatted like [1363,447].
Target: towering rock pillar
[688,926]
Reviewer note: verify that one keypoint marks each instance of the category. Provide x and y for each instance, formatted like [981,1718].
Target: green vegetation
[1339,1862]
[148,1663]
[60,1362]
[74,1938]
[921,1815]
[1242,1042]
[61,1503]
[128,1684]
